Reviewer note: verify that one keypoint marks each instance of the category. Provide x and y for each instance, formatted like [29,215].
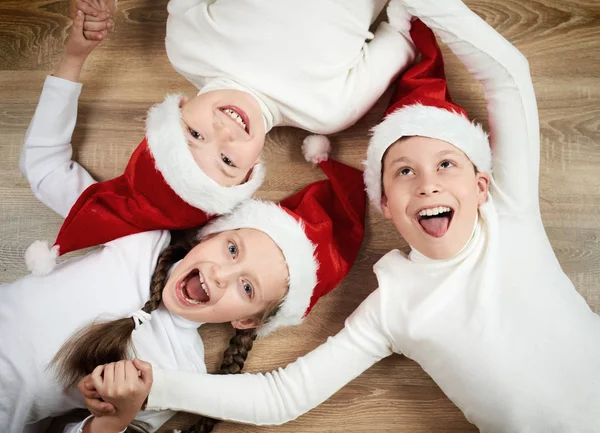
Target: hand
[77,46]
[126,386]
[97,18]
[92,399]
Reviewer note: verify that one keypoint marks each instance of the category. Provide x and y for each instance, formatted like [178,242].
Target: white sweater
[39,313]
[313,64]
[499,327]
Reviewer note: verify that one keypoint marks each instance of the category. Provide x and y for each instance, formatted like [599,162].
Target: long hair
[106,342]
[234,358]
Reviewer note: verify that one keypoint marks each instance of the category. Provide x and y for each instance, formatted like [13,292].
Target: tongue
[435,226]
[194,289]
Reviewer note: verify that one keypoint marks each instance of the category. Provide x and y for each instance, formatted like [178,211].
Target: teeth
[203,285]
[434,211]
[235,117]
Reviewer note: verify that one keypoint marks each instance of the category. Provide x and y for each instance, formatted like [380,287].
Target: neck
[416,256]
[270,113]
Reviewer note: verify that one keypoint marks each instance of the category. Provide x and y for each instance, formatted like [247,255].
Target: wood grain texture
[130,71]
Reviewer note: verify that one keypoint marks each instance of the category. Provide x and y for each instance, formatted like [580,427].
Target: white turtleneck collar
[271,115]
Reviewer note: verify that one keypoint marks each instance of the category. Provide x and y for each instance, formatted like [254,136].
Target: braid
[234,358]
[166,260]
[106,342]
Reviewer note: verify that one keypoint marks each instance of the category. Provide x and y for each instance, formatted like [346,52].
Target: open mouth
[435,220]
[238,116]
[192,290]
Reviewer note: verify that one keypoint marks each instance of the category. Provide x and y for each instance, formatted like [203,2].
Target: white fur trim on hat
[425,121]
[174,160]
[297,249]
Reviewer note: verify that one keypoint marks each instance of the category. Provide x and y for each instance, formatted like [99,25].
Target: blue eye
[233,250]
[227,161]
[248,289]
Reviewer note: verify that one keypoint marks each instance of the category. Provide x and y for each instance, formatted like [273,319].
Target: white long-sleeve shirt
[39,313]
[312,64]
[499,327]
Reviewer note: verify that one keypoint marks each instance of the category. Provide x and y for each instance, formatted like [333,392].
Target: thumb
[78,21]
[145,368]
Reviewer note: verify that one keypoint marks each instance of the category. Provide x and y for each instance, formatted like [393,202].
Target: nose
[428,185]
[224,276]
[223,132]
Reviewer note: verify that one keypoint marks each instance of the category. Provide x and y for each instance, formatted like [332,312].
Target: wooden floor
[130,72]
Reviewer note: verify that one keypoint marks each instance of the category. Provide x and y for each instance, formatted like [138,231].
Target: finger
[78,22]
[109,374]
[96,4]
[131,372]
[92,26]
[86,387]
[94,36]
[120,372]
[97,377]
[99,408]
[146,369]
[102,16]
[87,8]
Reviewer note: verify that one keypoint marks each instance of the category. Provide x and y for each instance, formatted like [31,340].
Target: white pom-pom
[316,148]
[40,259]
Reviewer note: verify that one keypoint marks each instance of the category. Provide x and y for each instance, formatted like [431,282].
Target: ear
[250,322]
[384,206]
[183,101]
[483,186]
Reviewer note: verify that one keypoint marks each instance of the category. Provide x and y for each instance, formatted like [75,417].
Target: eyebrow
[257,282]
[402,159]
[446,152]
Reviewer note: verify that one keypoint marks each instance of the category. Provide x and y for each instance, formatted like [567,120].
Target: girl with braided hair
[260,267]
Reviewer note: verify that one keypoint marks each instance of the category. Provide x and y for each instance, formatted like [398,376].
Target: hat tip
[316,148]
[40,259]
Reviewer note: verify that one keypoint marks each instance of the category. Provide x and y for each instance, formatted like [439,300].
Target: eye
[248,289]
[227,161]
[195,134]
[404,171]
[446,164]
[233,249]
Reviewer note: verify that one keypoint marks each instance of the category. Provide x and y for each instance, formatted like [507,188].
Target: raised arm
[285,394]
[45,160]
[388,54]
[512,109]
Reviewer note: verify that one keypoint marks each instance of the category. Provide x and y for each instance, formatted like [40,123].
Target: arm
[512,109]
[285,394]
[45,160]
[388,54]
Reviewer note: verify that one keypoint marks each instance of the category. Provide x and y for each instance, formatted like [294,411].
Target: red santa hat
[162,188]
[319,230]
[421,106]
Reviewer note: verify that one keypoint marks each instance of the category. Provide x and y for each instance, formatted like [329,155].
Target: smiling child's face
[226,134]
[432,193]
[233,276]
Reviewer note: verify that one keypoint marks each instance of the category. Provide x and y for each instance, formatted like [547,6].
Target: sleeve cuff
[63,85]
[78,428]
[156,397]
